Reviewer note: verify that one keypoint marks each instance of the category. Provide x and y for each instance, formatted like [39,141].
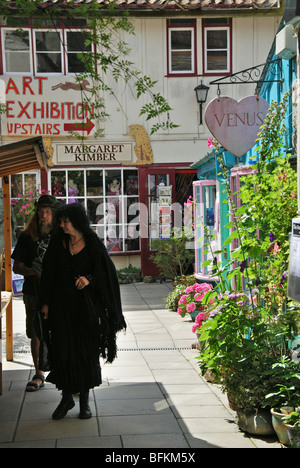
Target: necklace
[72,246]
[76,241]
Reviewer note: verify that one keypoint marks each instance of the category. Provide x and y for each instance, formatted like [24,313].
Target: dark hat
[46,201]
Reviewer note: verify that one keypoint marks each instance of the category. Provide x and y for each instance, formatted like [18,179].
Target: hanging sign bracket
[256,75]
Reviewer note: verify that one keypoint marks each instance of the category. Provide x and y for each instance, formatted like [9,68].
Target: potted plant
[246,389]
[292,422]
[171,255]
[285,396]
[191,301]
[199,320]
[241,345]
[180,284]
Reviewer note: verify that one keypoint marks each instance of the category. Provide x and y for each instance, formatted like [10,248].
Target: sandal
[35,386]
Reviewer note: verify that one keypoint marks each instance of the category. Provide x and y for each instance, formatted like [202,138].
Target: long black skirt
[74,329]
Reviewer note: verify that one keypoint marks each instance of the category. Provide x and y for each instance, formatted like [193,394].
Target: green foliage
[286,391]
[246,339]
[293,419]
[172,257]
[260,226]
[129,269]
[179,288]
[247,390]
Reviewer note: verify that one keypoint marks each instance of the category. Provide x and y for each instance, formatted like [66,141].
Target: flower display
[192,299]
[199,321]
[24,205]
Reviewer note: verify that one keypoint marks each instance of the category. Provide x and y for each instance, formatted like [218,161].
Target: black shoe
[85,410]
[64,406]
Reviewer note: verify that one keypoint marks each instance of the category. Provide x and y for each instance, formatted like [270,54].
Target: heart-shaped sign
[236,124]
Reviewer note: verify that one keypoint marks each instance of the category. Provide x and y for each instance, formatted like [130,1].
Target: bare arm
[21,269]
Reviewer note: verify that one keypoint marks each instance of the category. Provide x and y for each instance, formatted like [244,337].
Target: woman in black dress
[80,300]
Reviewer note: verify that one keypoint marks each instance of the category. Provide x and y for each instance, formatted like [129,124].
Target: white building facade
[117,176]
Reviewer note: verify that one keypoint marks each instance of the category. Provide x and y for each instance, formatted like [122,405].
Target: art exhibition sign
[236,124]
[42,105]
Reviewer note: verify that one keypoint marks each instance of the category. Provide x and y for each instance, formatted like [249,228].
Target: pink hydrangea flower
[183,299]
[198,297]
[190,307]
[199,320]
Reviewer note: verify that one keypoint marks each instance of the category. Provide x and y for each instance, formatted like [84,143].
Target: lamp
[201,95]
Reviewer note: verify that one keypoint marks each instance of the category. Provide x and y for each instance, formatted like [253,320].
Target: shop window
[160,206]
[24,192]
[217,46]
[236,180]
[44,51]
[181,47]
[206,219]
[111,199]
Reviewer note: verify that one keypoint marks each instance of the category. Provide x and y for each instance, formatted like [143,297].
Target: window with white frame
[48,51]
[44,50]
[25,190]
[206,220]
[76,45]
[217,45]
[16,46]
[182,47]
[111,200]
[237,176]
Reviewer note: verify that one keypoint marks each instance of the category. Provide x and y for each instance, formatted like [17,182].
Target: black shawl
[105,285]
[105,295]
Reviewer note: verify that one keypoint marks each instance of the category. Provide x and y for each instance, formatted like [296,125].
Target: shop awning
[22,156]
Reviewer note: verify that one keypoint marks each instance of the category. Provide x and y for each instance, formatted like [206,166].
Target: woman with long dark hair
[80,299]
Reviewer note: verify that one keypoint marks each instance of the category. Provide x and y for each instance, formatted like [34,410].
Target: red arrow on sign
[77,127]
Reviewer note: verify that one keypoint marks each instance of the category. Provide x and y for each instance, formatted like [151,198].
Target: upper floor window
[48,51]
[16,46]
[44,51]
[182,47]
[217,46]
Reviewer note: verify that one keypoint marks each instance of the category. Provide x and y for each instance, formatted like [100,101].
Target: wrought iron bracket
[256,75]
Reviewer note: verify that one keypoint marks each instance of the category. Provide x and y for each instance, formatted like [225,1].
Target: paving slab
[155,441]
[139,424]
[49,429]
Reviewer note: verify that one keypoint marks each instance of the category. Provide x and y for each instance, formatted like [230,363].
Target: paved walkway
[152,395]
